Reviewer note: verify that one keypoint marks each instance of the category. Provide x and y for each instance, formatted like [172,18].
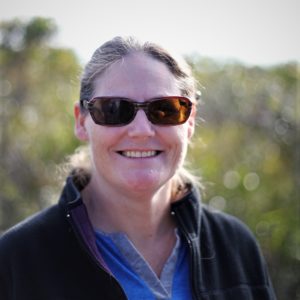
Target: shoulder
[220,221]
[223,231]
[47,227]
[28,232]
[225,225]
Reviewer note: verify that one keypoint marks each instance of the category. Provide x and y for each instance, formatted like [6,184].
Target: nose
[140,126]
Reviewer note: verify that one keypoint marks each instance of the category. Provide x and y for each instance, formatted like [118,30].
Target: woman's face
[140,156]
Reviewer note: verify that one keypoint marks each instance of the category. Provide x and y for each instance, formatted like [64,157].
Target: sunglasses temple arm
[84,103]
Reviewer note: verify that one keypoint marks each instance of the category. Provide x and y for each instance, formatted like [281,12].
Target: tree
[247,150]
[38,85]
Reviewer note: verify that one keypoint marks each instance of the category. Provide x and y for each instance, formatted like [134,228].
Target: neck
[142,215]
[145,218]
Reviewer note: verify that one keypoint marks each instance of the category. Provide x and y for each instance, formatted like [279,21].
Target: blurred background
[247,145]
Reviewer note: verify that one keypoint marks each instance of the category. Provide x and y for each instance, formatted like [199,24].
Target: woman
[131,225]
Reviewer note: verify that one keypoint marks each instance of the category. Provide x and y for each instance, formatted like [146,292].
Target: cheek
[183,146]
[183,134]
[178,140]
[96,139]
[102,141]
[89,128]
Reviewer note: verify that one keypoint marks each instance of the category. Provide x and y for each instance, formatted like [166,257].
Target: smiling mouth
[139,154]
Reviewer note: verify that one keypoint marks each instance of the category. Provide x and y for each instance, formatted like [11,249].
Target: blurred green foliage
[247,151]
[38,85]
[246,147]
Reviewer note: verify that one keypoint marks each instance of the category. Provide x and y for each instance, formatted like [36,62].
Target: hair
[119,47]
[104,57]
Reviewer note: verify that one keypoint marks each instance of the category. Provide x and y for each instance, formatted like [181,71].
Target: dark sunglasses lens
[169,111]
[112,111]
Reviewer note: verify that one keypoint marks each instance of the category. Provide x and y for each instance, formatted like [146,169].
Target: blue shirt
[135,275]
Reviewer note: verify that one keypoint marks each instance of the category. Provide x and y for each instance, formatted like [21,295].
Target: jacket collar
[186,210]
[77,215]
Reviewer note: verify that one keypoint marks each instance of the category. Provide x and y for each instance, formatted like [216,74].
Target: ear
[80,129]
[192,122]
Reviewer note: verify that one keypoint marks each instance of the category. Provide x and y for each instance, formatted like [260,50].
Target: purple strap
[80,217]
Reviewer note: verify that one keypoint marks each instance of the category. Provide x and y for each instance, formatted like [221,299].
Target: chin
[142,186]
[144,182]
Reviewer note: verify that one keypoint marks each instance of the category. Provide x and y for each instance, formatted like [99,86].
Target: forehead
[137,76]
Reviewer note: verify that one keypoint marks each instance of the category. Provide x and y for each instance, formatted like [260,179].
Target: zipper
[90,255]
[193,259]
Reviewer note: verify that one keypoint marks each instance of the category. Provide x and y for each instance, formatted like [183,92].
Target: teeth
[139,154]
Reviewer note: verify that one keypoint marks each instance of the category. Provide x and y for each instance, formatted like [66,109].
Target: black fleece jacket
[53,255]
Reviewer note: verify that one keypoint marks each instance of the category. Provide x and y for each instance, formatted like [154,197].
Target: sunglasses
[118,111]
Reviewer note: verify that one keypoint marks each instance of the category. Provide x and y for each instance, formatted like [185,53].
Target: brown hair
[119,47]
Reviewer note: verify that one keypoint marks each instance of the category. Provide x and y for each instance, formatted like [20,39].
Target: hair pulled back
[119,47]
[104,57]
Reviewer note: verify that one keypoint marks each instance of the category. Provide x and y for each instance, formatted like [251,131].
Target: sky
[254,32]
